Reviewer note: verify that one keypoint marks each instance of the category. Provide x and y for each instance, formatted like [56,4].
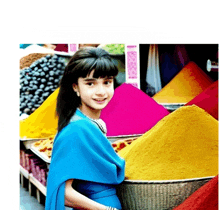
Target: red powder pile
[208,100]
[205,198]
[131,111]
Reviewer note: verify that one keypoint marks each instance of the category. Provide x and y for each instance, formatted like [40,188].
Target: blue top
[82,152]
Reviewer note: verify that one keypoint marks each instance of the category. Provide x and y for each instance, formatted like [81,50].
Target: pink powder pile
[131,111]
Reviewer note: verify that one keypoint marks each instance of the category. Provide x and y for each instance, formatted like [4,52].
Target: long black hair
[80,65]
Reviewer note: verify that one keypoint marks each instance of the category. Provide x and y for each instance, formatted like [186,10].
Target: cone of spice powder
[186,85]
[208,100]
[131,111]
[183,145]
[43,121]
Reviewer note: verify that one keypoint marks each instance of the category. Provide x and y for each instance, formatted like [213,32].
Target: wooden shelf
[35,182]
[28,178]
[24,172]
[34,186]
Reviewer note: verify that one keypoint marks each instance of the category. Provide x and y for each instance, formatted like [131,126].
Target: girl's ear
[75,87]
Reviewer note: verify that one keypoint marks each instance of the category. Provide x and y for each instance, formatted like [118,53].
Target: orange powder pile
[182,145]
[43,121]
[187,84]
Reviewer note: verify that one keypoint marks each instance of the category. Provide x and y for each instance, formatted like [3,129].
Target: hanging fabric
[181,56]
[153,71]
[168,68]
[173,57]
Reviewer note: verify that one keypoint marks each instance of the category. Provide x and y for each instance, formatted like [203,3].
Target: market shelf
[38,188]
[41,155]
[28,142]
[35,182]
[24,172]
[172,106]
[24,176]
[113,139]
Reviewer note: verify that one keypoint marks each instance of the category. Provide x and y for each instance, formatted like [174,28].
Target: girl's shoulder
[79,119]
[80,123]
[72,132]
[77,127]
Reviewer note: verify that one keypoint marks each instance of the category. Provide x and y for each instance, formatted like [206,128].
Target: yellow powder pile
[186,85]
[43,121]
[182,145]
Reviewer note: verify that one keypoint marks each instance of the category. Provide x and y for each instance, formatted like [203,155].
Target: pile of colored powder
[182,145]
[131,111]
[186,85]
[208,100]
[205,198]
[43,121]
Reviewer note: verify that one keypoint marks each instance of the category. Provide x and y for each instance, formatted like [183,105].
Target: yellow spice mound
[186,85]
[182,145]
[43,121]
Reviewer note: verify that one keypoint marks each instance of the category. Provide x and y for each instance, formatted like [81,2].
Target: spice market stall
[170,152]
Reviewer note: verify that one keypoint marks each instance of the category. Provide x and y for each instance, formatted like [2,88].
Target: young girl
[84,169]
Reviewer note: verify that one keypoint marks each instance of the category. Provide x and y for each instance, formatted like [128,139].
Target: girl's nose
[100,90]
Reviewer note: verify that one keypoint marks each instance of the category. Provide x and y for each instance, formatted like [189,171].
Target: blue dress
[83,153]
[101,193]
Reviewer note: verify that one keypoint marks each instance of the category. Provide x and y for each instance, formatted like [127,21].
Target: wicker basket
[157,195]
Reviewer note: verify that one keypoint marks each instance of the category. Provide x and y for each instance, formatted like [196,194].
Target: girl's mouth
[100,101]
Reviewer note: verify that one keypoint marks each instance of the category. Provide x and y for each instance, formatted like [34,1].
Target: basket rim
[124,136]
[165,181]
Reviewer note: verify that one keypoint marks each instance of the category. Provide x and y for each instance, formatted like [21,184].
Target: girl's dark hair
[80,65]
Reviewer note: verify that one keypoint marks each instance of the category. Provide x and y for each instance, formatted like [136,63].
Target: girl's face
[94,93]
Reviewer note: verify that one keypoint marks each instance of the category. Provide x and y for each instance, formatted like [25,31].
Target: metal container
[157,195]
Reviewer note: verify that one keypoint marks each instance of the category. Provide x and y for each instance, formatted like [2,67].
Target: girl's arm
[76,200]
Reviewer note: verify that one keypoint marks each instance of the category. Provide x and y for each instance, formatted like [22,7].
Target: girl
[84,169]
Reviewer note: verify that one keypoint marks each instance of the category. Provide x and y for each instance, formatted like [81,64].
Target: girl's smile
[100,101]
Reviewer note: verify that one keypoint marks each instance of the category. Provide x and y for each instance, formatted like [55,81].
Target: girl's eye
[89,83]
[108,82]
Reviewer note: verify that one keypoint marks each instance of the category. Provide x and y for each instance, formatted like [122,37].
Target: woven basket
[157,195]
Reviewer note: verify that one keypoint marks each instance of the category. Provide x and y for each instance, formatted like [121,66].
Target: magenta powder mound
[131,111]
